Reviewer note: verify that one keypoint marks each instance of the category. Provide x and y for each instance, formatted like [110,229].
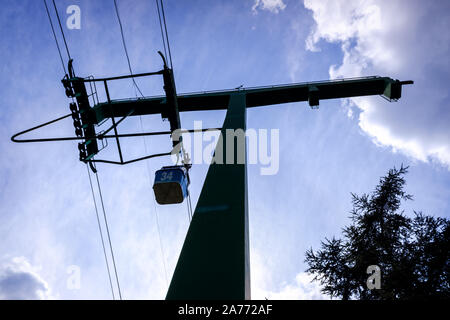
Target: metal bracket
[101,137]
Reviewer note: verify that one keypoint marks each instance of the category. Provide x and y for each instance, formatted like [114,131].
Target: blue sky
[47,217]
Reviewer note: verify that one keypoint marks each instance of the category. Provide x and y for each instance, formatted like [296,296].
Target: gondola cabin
[171,185]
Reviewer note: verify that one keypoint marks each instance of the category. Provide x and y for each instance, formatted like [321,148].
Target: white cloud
[400,39]
[20,281]
[271,5]
[301,289]
[263,286]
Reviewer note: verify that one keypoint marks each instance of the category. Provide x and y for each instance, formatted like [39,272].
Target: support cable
[109,236]
[101,233]
[167,35]
[161,27]
[62,31]
[186,164]
[56,39]
[189,213]
[160,242]
[125,47]
[190,205]
[154,205]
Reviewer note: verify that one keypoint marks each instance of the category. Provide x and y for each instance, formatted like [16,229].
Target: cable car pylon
[214,260]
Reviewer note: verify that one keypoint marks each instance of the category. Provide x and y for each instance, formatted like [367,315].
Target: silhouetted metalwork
[214,261]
